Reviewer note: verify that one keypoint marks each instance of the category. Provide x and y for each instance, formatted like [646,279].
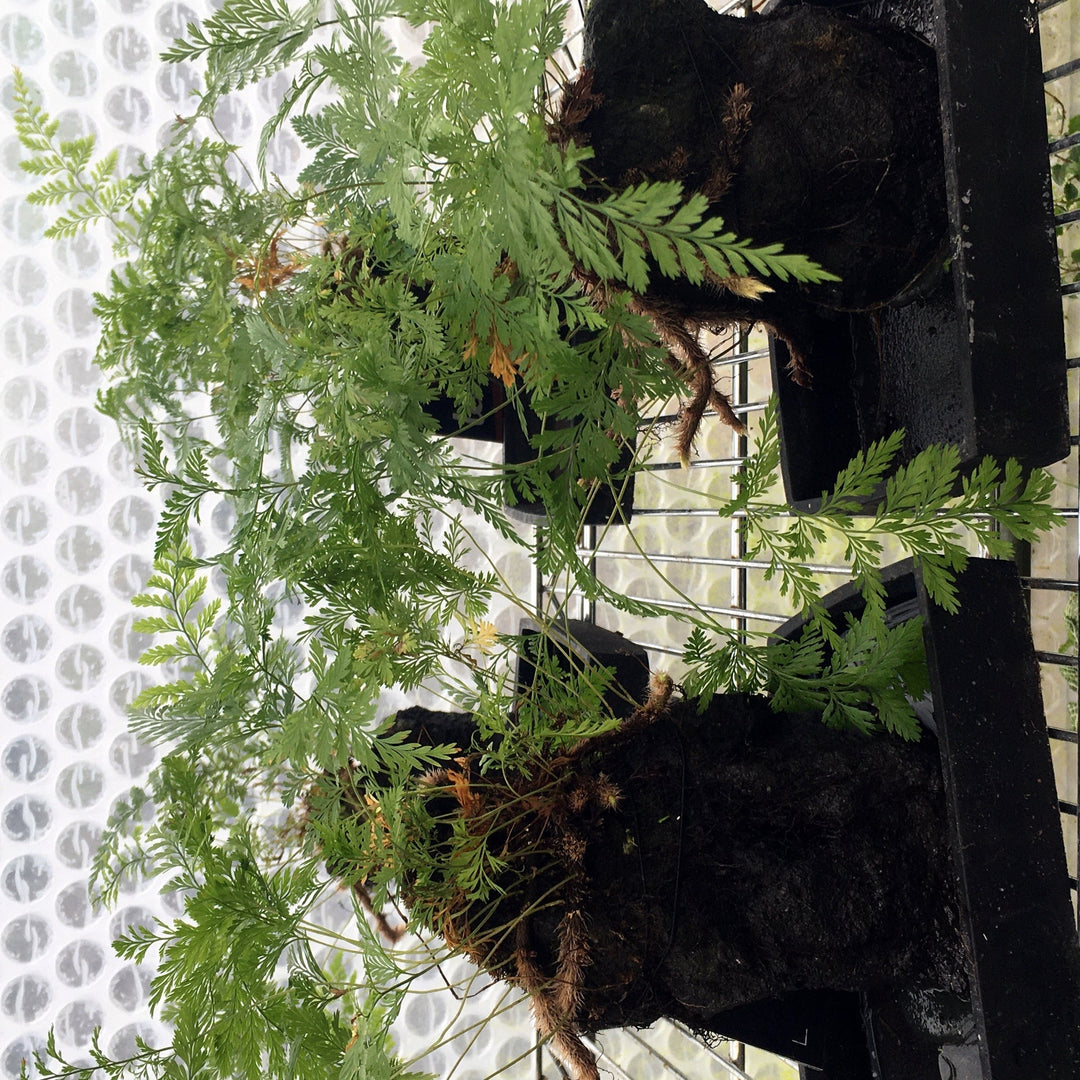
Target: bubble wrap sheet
[76,538]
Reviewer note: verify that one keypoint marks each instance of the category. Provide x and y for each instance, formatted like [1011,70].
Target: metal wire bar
[740,582]
[698,463]
[1073,690]
[731,562]
[1069,513]
[739,358]
[1069,289]
[1057,659]
[715,1054]
[688,511]
[739,410]
[1066,141]
[677,605]
[1061,70]
[591,542]
[601,1055]
[1051,584]
[667,650]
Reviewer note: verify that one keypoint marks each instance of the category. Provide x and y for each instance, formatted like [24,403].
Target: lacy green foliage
[1070,645]
[658,220]
[232,1021]
[862,675]
[271,348]
[145,1064]
[1065,178]
[91,191]
[245,41]
[919,507]
[237,975]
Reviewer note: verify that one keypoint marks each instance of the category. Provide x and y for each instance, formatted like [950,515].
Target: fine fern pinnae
[860,676]
[271,348]
[91,190]
[920,509]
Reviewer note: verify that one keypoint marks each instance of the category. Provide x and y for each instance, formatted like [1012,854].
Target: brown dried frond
[578,100]
[744,285]
[553,1022]
[265,272]
[502,367]
[458,784]
[736,124]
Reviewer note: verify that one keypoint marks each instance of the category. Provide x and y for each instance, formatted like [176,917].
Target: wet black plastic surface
[1007,843]
[1023,1019]
[486,422]
[577,644]
[978,361]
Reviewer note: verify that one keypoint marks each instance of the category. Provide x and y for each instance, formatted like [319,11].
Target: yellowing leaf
[482,634]
[502,367]
[750,288]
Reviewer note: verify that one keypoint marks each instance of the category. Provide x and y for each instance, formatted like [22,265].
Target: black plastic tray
[979,361]
[1022,1019]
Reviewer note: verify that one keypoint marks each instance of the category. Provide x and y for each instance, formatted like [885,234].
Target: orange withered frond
[264,273]
[470,803]
[502,367]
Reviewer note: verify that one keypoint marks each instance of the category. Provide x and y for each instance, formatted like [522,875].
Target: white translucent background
[76,535]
